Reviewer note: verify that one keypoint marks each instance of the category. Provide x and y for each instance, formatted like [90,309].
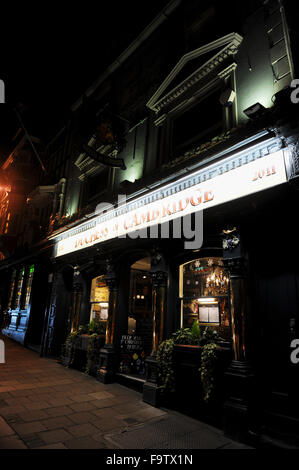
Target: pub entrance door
[136,344]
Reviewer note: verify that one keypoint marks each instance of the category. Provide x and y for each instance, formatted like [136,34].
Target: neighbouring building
[192,127]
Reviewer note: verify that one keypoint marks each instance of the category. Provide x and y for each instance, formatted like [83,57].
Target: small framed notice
[208,313]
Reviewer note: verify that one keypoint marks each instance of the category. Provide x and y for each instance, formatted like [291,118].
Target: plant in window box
[96,332]
[75,347]
[69,347]
[98,328]
[93,351]
[207,340]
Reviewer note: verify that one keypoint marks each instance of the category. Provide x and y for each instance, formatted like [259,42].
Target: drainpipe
[62,182]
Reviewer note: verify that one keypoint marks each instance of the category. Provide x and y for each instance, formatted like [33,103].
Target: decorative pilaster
[159,286]
[111,281]
[239,376]
[77,299]
[237,276]
[107,353]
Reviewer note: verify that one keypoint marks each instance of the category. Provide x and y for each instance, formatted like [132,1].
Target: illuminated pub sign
[242,174]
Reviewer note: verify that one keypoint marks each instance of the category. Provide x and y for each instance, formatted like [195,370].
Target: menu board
[208,313]
[132,356]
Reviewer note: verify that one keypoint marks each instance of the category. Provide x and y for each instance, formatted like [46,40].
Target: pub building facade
[177,204]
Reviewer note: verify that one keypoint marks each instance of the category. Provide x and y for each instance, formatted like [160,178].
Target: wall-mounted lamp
[227,97]
[255,111]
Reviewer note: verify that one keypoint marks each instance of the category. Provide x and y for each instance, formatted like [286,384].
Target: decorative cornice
[226,72]
[87,165]
[231,43]
[161,119]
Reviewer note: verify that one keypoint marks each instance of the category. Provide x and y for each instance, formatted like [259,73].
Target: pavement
[46,406]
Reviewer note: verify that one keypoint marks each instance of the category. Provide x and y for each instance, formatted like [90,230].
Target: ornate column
[237,276]
[77,299]
[159,285]
[239,376]
[108,353]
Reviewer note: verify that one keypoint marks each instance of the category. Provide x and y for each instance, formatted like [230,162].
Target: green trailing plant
[93,329]
[69,348]
[209,336]
[165,366]
[92,353]
[195,336]
[98,328]
[196,332]
[165,355]
[207,370]
[182,336]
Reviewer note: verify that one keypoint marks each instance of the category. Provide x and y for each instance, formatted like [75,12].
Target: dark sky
[51,52]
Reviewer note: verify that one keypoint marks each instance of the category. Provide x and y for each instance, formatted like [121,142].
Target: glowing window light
[207,300]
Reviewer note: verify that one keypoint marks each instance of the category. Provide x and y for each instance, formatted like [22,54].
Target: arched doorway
[137,343]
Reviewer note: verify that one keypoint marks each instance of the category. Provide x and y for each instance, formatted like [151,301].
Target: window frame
[183,298]
[228,113]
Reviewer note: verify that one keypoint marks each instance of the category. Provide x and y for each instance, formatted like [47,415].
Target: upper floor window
[96,184]
[198,124]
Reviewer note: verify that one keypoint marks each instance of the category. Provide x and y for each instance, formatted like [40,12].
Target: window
[99,299]
[19,288]
[29,286]
[12,288]
[198,124]
[97,184]
[204,292]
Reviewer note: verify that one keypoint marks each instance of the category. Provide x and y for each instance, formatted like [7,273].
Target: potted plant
[81,349]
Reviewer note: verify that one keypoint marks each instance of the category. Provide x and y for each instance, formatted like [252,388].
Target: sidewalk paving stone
[54,436]
[5,429]
[46,406]
[26,429]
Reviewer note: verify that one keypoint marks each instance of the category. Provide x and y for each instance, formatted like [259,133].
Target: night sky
[52,52]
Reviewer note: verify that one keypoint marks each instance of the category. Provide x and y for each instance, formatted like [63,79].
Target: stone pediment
[192,68]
